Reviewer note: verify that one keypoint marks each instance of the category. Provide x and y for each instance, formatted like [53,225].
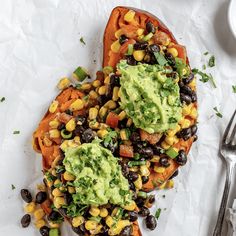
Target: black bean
[69,112]
[185,98]
[26,195]
[68,198]
[123,39]
[78,231]
[181,159]
[140,46]
[145,179]
[131,61]
[104,230]
[132,176]
[184,133]
[188,79]
[126,231]
[151,198]
[150,27]
[82,227]
[194,129]
[157,149]
[44,231]
[135,137]
[140,201]
[144,211]
[132,186]
[54,216]
[115,80]
[133,216]
[195,137]
[61,126]
[194,96]
[164,161]
[87,136]
[125,169]
[186,90]
[41,197]
[78,130]
[25,220]
[151,222]
[63,211]
[153,48]
[175,174]
[181,83]
[80,119]
[170,58]
[146,152]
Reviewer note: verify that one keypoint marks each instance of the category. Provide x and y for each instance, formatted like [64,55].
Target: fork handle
[220,219]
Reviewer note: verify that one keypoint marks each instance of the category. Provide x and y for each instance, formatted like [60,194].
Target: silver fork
[228,152]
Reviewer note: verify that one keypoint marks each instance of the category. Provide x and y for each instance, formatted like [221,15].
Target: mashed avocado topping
[99,178]
[149,97]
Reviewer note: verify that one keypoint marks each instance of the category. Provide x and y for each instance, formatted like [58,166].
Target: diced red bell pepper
[181,51]
[126,151]
[112,120]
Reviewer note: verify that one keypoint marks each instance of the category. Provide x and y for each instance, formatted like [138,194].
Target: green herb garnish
[205,53]
[157,214]
[211,61]
[16,132]
[204,77]
[217,112]
[13,187]
[82,40]
[160,58]
[234,88]
[2,99]
[108,139]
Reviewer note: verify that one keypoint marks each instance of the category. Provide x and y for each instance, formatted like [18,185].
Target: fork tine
[231,139]
[228,127]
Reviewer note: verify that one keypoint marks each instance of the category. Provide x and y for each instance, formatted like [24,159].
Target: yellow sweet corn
[129,16]
[115,47]
[77,105]
[39,214]
[94,211]
[70,125]
[30,207]
[173,51]
[77,221]
[63,83]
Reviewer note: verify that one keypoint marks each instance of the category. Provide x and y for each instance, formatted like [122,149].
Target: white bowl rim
[230,16]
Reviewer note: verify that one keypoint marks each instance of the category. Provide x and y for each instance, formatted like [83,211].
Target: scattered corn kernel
[115,47]
[140,31]
[102,133]
[102,90]
[118,33]
[103,212]
[192,85]
[86,86]
[97,230]
[169,140]
[39,214]
[54,124]
[93,124]
[77,105]
[70,125]
[107,80]
[118,227]
[56,192]
[138,183]
[77,139]
[40,223]
[102,111]
[47,141]
[59,202]
[54,133]
[53,225]
[186,109]
[173,51]
[185,123]
[123,135]
[96,83]
[122,115]
[63,83]
[129,122]
[162,186]
[129,16]
[30,207]
[115,96]
[69,177]
[159,169]
[165,145]
[93,112]
[53,106]
[139,55]
[193,113]
[64,145]
[77,221]
[41,187]
[109,221]
[93,94]
[130,207]
[71,190]
[110,104]
[170,183]
[91,224]
[94,211]
[144,170]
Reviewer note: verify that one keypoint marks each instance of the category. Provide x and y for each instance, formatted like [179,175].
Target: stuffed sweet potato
[142,108]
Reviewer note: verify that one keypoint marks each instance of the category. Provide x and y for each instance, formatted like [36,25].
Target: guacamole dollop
[99,178]
[149,97]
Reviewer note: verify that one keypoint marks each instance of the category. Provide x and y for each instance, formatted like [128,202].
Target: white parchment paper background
[39,43]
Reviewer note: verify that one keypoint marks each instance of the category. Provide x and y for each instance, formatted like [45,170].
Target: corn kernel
[129,16]
[54,124]
[170,183]
[138,183]
[86,86]
[39,214]
[103,126]
[169,140]
[118,33]
[70,125]
[102,133]
[129,122]
[122,115]
[64,145]
[41,187]
[93,112]
[173,51]
[69,177]
[102,90]
[59,202]
[94,211]
[144,170]
[40,223]
[91,224]
[139,55]
[192,85]
[103,212]
[193,113]
[77,105]
[118,227]
[47,141]
[63,83]
[53,106]
[107,80]
[54,133]
[71,190]
[162,186]
[93,124]
[30,207]
[96,83]
[185,123]
[77,139]
[186,109]
[93,94]
[140,31]
[123,135]
[165,145]
[159,170]
[56,182]
[102,112]
[130,207]
[57,193]
[97,230]
[115,96]
[77,221]
[115,47]
[110,104]
[171,132]
[151,41]
[53,225]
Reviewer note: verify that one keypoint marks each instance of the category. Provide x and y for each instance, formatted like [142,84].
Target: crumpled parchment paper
[40,43]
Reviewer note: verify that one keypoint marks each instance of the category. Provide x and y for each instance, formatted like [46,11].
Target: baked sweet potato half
[134,40]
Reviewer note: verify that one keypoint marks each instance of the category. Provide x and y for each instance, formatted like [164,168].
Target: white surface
[232,16]
[39,43]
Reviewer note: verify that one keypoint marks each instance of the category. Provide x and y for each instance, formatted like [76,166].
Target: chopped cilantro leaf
[82,40]
[217,112]
[234,88]
[205,53]
[108,139]
[16,132]
[160,58]
[13,187]
[211,61]
[204,67]
[2,99]
[157,214]
[204,77]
